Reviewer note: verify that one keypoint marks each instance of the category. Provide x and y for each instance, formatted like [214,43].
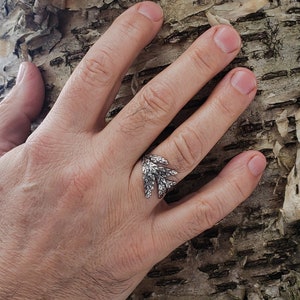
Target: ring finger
[189,143]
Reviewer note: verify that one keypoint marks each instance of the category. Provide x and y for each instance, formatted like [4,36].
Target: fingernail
[244,82]
[151,10]
[21,73]
[227,39]
[257,165]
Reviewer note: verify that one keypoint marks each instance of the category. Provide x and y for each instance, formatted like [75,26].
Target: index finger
[93,85]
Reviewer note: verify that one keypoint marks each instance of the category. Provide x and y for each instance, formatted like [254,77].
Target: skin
[75,223]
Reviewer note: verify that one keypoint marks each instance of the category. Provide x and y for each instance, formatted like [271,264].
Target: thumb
[21,106]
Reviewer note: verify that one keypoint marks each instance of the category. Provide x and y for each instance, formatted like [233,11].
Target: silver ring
[155,171]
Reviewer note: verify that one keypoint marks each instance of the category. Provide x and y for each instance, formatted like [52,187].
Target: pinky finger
[210,204]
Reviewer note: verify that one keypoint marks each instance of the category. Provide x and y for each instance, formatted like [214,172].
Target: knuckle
[206,215]
[203,60]
[40,149]
[97,71]
[129,28]
[203,216]
[156,101]
[76,181]
[237,189]
[189,148]
[226,108]
[153,105]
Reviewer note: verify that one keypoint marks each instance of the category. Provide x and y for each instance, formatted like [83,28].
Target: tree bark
[254,253]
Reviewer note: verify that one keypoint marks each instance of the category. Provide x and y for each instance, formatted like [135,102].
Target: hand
[75,222]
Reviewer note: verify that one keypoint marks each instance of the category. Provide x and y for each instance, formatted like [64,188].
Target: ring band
[155,171]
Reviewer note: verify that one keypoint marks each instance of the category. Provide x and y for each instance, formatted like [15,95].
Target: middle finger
[142,120]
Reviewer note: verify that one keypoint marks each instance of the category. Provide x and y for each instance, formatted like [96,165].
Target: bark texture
[254,253]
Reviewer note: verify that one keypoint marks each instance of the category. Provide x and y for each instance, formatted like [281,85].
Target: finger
[20,107]
[141,121]
[93,85]
[190,143]
[203,209]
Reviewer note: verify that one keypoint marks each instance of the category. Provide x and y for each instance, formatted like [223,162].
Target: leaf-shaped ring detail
[155,171]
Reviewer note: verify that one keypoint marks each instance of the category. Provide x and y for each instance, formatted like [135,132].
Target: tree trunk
[254,253]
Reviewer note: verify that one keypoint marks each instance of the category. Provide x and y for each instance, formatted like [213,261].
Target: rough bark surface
[254,253]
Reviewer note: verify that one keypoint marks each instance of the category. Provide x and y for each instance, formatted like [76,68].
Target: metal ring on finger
[156,172]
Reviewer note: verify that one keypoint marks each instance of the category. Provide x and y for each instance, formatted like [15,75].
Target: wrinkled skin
[75,223]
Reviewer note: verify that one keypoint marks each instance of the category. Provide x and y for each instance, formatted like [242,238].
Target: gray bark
[254,253]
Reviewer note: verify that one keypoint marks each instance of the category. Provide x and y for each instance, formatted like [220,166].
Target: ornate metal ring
[155,171]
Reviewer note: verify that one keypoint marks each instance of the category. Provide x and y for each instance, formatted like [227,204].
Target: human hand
[75,222]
